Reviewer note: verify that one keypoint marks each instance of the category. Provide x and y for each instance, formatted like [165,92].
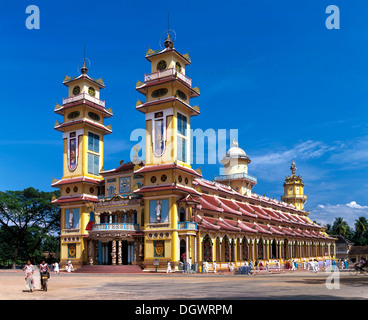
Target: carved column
[113,252]
[96,252]
[120,260]
[91,252]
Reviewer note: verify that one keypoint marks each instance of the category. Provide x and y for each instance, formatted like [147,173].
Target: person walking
[56,268]
[29,271]
[44,269]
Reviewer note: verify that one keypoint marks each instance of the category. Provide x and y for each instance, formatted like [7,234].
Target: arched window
[124,217]
[111,191]
[274,249]
[245,249]
[260,249]
[207,248]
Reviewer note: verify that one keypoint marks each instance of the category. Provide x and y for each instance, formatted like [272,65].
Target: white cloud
[352,154]
[274,166]
[306,150]
[354,205]
[326,214]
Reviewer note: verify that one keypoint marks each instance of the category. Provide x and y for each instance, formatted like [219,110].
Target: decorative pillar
[91,252]
[120,258]
[187,249]
[195,249]
[97,252]
[214,256]
[113,252]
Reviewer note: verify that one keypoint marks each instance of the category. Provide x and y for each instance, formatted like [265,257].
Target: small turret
[294,189]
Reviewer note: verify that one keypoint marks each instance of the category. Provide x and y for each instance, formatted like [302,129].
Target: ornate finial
[84,68]
[168,42]
[293,167]
[235,143]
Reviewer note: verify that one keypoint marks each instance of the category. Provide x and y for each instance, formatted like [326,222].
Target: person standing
[29,270]
[205,267]
[346,264]
[214,267]
[168,269]
[56,268]
[189,265]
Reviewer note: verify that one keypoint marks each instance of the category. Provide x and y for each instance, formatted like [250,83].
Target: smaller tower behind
[236,174]
[294,189]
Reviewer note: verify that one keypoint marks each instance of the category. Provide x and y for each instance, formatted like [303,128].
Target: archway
[274,254]
[183,250]
[260,252]
[245,249]
[207,249]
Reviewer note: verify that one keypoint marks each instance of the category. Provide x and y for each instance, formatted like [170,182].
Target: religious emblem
[72,251]
[159,250]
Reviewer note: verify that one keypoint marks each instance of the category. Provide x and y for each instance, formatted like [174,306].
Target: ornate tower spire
[294,189]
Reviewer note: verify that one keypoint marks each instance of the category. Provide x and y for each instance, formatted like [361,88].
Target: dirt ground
[289,285]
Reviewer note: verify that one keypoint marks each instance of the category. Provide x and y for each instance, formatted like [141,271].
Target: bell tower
[294,189]
[83,131]
[168,176]
[168,93]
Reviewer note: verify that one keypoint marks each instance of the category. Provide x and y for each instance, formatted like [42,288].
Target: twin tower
[166,171]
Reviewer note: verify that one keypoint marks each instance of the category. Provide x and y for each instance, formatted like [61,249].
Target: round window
[163,177]
[76,90]
[178,66]
[153,179]
[159,93]
[91,91]
[161,65]
[94,116]
[73,115]
[181,95]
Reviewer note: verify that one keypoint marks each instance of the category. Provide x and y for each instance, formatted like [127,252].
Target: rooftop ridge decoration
[151,52]
[187,56]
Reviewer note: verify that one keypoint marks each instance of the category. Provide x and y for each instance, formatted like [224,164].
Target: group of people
[29,272]
[44,268]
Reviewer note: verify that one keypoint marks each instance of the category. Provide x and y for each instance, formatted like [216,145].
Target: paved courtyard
[288,285]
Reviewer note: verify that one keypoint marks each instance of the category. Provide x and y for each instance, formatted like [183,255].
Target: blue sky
[294,89]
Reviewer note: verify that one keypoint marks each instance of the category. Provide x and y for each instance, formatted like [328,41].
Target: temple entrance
[105,252]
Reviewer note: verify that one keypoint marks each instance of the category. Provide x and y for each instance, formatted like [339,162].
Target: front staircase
[105,269]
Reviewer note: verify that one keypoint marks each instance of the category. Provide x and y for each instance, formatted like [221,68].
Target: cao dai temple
[161,209]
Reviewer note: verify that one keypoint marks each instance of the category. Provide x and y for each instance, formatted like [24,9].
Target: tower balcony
[187,225]
[235,176]
[159,75]
[84,96]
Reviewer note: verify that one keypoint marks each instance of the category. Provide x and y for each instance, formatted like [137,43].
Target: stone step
[109,269]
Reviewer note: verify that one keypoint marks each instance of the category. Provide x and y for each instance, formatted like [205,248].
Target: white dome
[234,153]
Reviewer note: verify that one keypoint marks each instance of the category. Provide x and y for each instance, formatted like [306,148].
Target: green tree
[27,218]
[360,237]
[341,227]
